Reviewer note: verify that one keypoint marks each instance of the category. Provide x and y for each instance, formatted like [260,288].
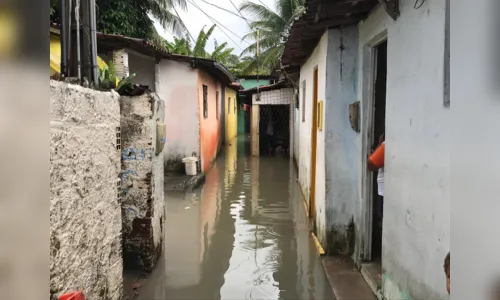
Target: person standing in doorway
[376,162]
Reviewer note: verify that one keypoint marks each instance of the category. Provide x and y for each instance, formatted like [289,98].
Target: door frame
[254,129]
[368,114]
[314,141]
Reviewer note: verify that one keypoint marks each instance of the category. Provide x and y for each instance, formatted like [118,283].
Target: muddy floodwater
[243,235]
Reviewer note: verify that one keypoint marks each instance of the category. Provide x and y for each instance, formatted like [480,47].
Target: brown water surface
[243,235]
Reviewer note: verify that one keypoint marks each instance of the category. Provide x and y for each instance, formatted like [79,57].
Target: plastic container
[190,165]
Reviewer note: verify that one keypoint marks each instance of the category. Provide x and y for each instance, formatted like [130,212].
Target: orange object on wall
[72,296]
[210,126]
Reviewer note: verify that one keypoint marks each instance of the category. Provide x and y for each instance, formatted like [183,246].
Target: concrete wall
[142,180]
[144,69]
[317,59]
[416,234]
[474,180]
[342,144]
[231,115]
[85,215]
[297,118]
[179,89]
[210,127]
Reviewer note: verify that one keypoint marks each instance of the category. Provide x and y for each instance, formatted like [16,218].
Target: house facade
[376,69]
[230,113]
[193,89]
[193,100]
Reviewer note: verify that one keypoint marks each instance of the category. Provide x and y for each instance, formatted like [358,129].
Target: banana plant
[108,79]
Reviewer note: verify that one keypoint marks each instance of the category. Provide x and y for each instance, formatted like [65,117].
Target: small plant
[108,80]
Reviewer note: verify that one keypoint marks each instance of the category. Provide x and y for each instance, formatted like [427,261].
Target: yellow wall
[231,115]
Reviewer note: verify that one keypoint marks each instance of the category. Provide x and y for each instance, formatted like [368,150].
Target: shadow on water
[243,235]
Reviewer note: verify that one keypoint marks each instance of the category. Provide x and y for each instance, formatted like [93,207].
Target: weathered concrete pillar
[120,61]
[142,195]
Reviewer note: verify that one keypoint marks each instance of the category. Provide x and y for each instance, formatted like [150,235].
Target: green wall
[251,83]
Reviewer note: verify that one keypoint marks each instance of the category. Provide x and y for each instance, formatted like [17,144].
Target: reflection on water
[244,235]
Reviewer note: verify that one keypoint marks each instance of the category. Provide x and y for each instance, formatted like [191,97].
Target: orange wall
[210,127]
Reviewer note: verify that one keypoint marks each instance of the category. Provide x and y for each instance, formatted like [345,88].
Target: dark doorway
[274,129]
[380,86]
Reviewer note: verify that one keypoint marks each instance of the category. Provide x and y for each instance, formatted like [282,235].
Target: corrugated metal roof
[306,31]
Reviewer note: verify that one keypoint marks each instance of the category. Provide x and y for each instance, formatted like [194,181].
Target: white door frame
[369,77]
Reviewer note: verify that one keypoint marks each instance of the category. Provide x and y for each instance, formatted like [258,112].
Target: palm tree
[165,12]
[270,29]
[183,46]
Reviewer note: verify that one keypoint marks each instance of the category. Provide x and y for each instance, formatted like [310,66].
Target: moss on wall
[341,239]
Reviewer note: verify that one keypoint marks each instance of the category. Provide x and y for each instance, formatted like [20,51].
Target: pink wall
[178,88]
[210,127]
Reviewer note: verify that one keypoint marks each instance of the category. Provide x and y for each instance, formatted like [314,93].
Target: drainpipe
[93,44]
[78,54]
[64,38]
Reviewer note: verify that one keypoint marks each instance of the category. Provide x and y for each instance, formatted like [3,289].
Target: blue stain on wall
[124,177]
[132,153]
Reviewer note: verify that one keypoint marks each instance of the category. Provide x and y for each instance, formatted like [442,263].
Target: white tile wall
[276,97]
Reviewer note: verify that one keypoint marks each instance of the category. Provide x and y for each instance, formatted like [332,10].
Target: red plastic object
[72,296]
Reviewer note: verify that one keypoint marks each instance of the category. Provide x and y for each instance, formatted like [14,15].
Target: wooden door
[314,137]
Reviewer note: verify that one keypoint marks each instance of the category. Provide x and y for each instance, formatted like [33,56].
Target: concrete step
[345,280]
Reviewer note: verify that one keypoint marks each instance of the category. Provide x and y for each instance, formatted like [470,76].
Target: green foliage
[221,53]
[108,80]
[131,17]
[270,29]
[124,17]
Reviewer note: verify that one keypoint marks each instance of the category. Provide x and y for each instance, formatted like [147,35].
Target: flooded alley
[243,235]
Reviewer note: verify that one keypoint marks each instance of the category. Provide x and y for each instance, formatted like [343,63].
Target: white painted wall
[144,69]
[475,161]
[342,143]
[179,90]
[317,59]
[416,233]
[297,117]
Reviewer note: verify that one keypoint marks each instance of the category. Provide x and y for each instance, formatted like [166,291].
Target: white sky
[195,20]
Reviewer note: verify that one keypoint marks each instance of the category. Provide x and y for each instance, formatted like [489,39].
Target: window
[205,101]
[446,95]
[303,101]
[229,105]
[217,105]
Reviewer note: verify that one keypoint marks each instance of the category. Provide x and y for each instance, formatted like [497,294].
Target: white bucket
[190,165]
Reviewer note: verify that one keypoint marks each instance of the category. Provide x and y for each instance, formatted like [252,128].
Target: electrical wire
[240,13]
[417,5]
[218,23]
[227,10]
[183,24]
